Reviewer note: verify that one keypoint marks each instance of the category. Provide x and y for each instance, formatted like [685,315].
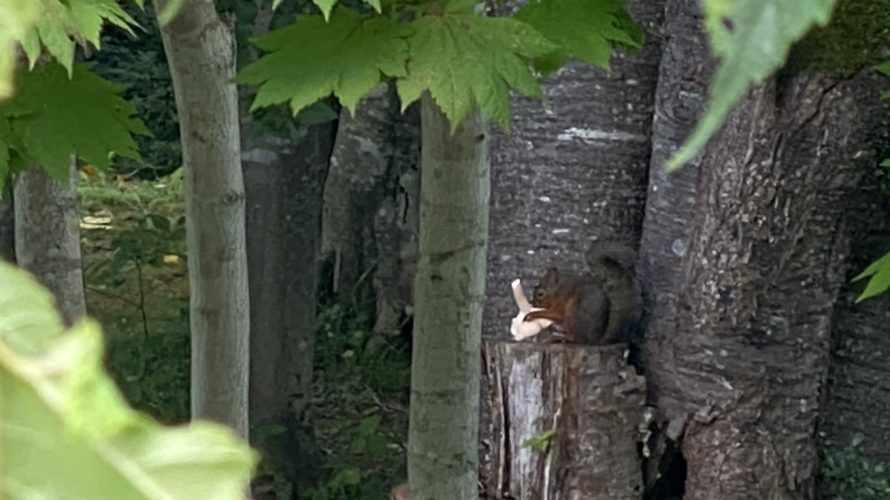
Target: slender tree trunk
[747,259]
[200,49]
[47,236]
[7,222]
[450,292]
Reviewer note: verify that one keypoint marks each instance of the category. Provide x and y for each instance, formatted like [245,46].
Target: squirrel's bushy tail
[611,254]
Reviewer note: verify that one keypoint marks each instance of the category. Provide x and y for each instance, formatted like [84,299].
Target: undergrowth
[848,475]
[137,286]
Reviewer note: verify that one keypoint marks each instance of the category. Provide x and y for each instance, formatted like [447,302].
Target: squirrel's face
[545,288]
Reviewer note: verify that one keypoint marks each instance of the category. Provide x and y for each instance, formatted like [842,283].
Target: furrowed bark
[591,401]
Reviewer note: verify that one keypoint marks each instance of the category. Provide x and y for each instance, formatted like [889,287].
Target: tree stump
[589,402]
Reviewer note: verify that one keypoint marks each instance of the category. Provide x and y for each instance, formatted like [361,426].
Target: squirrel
[596,308]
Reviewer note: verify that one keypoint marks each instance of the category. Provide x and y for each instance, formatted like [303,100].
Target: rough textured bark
[200,50]
[47,236]
[7,222]
[589,396]
[858,393]
[370,208]
[738,346]
[450,292]
[573,170]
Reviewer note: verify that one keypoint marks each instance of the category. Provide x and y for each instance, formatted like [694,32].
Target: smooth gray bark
[47,236]
[449,296]
[200,50]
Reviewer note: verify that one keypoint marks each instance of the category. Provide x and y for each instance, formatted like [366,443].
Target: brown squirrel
[597,308]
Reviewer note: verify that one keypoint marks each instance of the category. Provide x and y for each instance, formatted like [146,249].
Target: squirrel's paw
[519,328]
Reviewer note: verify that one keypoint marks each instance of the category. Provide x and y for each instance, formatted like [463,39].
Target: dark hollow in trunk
[590,398]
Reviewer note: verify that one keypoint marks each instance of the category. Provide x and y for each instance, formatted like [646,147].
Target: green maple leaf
[585,29]
[310,59]
[63,23]
[67,431]
[53,116]
[17,17]
[465,61]
[752,39]
[879,274]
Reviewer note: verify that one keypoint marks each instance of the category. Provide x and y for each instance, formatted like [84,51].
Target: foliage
[751,39]
[139,290]
[540,442]
[311,58]
[585,30]
[17,18]
[879,274]
[359,411]
[64,420]
[849,475]
[53,115]
[62,23]
[461,59]
[140,64]
[465,61]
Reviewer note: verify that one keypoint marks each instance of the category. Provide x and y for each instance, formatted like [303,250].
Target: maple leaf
[465,60]
[311,59]
[53,116]
[585,29]
[62,24]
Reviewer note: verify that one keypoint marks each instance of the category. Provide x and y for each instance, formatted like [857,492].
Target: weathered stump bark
[591,399]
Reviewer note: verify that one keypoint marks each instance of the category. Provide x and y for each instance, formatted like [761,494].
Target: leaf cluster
[462,59]
[751,39]
[53,116]
[64,420]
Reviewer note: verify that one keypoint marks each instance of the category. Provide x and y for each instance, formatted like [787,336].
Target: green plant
[850,476]
[540,442]
[64,421]
[359,411]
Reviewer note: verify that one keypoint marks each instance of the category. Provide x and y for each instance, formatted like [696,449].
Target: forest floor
[133,244]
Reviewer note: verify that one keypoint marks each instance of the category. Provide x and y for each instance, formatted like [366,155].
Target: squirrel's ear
[551,277]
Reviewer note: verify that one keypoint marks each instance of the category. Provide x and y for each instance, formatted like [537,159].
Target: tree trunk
[450,292]
[573,170]
[738,346]
[370,209]
[7,222]
[588,397]
[284,178]
[200,49]
[47,236]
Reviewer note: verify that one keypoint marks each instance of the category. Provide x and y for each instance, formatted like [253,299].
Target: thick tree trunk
[859,381]
[7,222]
[573,170]
[283,182]
[200,49]
[450,292]
[47,236]
[738,345]
[589,398]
